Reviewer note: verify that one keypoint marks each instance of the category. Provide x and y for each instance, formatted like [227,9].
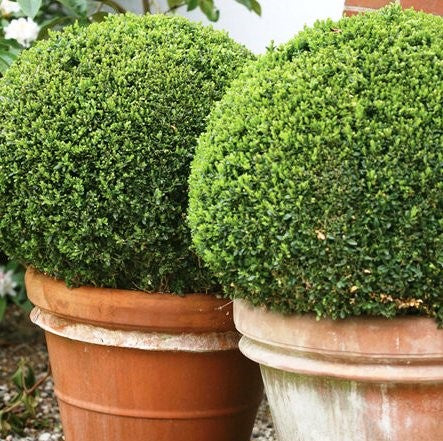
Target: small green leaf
[23,377]
[18,378]
[7,56]
[192,4]
[256,7]
[30,7]
[209,9]
[6,59]
[10,45]
[351,242]
[247,3]
[252,5]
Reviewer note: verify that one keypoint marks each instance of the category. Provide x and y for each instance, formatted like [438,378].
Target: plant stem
[38,383]
[146,6]
[11,407]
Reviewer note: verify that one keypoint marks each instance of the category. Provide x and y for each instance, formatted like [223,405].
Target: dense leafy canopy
[99,126]
[317,186]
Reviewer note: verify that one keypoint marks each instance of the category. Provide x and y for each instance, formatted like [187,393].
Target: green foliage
[209,8]
[30,8]
[251,5]
[51,14]
[317,186]
[56,14]
[15,413]
[99,125]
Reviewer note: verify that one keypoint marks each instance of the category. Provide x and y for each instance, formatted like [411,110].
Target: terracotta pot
[353,7]
[360,379]
[132,366]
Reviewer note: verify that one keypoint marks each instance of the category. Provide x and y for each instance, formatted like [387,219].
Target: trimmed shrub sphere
[98,128]
[317,186]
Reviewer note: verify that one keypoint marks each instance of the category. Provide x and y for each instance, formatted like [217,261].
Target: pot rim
[404,349]
[130,339]
[126,309]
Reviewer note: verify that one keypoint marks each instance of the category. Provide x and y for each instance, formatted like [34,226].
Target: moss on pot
[317,186]
[99,125]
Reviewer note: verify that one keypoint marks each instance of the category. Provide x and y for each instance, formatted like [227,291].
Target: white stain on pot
[322,409]
[303,411]
[153,341]
[385,421]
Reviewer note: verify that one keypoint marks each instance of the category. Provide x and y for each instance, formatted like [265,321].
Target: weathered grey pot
[360,379]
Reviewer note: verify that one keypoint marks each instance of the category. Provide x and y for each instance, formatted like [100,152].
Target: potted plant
[316,198]
[99,125]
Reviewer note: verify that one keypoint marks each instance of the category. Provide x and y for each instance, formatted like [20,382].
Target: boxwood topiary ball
[98,128]
[317,186]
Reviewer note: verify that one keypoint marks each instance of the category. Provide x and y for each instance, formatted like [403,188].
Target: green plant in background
[94,157]
[15,413]
[22,22]
[208,7]
[318,185]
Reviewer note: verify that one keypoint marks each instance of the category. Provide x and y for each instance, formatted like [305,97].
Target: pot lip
[406,339]
[126,309]
[130,339]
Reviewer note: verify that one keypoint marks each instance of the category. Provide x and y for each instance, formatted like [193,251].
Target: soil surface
[20,339]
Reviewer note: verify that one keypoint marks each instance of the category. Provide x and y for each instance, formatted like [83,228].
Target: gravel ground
[20,339]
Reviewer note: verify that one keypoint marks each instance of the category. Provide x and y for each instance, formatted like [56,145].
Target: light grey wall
[280,20]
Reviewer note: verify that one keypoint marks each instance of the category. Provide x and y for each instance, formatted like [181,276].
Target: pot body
[359,379]
[132,366]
